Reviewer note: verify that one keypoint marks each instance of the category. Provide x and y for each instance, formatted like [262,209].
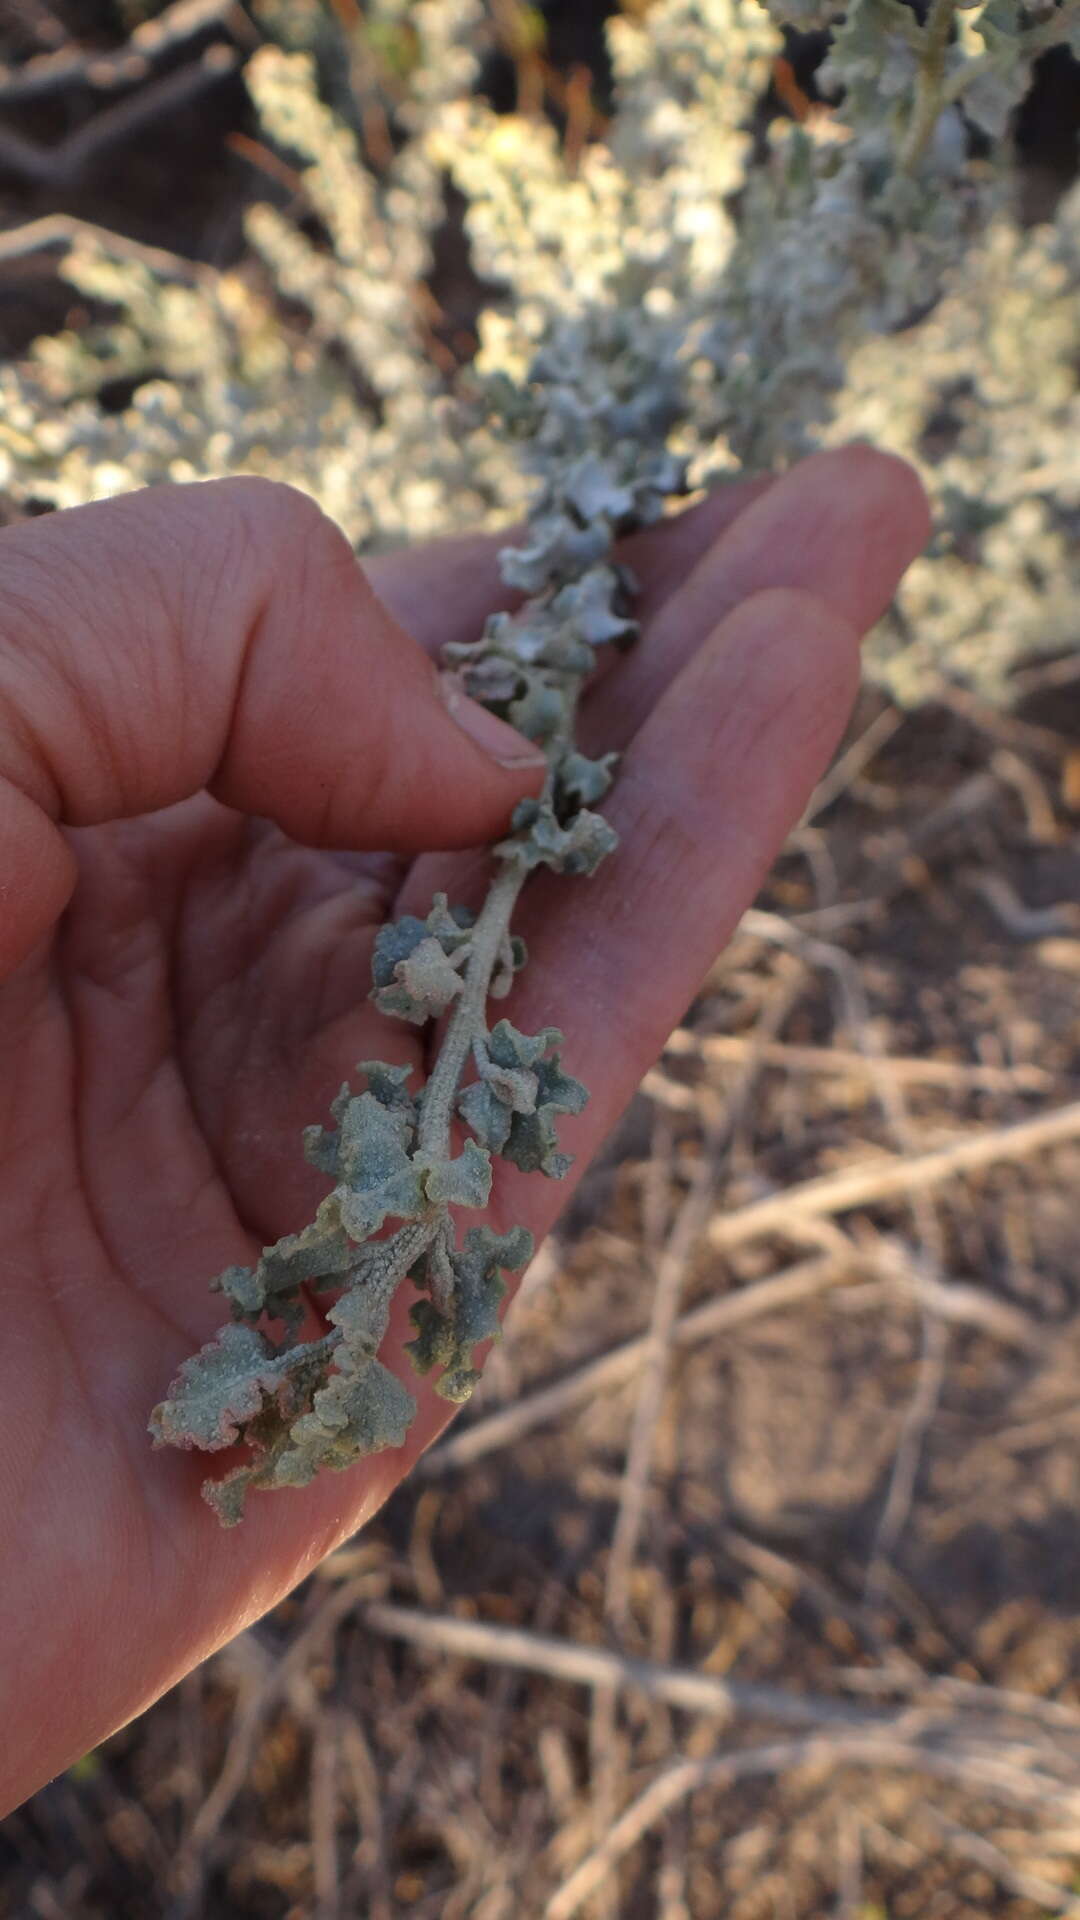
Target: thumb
[221,636]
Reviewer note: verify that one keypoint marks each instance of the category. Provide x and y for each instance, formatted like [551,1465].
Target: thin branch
[670,1261]
[195,1853]
[960,1302]
[923,1687]
[1011,1757]
[601,1667]
[1025,1077]
[673,1268]
[58,166]
[893,1178]
[975,1846]
[369,1876]
[671,1273]
[966,1305]
[1043,742]
[611,1370]
[324,1805]
[918,1419]
[49,73]
[853,761]
[65,229]
[778,1570]
[1012,913]
[923,1273]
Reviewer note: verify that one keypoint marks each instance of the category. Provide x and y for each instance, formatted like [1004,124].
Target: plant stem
[930,87]
[488,936]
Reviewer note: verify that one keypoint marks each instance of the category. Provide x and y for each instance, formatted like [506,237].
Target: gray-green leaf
[448,1341]
[410,965]
[576,848]
[424,984]
[217,1390]
[489,1117]
[319,1252]
[581,781]
[378,1180]
[360,1411]
[464,1182]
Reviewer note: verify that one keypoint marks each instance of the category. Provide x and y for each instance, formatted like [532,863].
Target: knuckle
[273,514]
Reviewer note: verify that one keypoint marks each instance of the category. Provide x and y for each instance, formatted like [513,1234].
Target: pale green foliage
[515,1103]
[1002,41]
[805,15]
[875,58]
[448,1340]
[416,964]
[1002,579]
[243,393]
[698,293]
[220,1389]
[732,331]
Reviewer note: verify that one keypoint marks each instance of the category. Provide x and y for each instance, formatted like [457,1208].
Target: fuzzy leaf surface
[319,1252]
[218,1390]
[361,1410]
[464,1182]
[410,967]
[577,848]
[448,1341]
[377,1178]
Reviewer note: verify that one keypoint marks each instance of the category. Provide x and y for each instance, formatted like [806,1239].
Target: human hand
[204,712]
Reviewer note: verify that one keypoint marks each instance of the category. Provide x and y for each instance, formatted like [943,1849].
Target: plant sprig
[300,1405]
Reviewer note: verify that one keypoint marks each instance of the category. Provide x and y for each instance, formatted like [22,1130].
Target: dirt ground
[749,1584]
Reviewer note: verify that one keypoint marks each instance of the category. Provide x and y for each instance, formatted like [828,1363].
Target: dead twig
[587,1666]
[839,1748]
[1025,1077]
[672,1267]
[893,1178]
[49,73]
[61,165]
[1031,791]
[849,1858]
[1012,913]
[918,1419]
[975,1846]
[1004,727]
[917,1686]
[613,1369]
[66,230]
[955,1300]
[369,1876]
[670,1261]
[194,1857]
[777,1569]
[959,1301]
[324,1804]
[984,1727]
[919,1273]
[853,761]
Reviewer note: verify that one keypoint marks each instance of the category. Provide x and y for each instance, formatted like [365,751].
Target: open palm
[167,1033]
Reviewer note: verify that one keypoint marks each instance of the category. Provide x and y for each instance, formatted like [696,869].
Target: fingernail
[503,743]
